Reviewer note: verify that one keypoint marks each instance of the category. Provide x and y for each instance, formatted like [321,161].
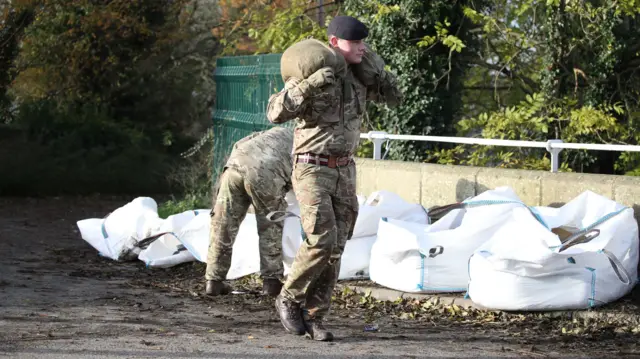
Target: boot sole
[224,290]
[217,293]
[324,340]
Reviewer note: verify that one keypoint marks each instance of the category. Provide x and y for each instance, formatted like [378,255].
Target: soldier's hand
[291,83]
[324,76]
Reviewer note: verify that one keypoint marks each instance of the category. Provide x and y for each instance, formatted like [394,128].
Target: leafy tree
[429,60]
[532,120]
[16,17]
[111,87]
[568,70]
[426,43]
[285,28]
[270,26]
[264,26]
[148,62]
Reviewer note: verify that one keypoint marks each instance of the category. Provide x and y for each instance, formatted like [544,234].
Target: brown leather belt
[323,160]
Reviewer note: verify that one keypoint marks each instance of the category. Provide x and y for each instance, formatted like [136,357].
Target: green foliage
[274,34]
[507,64]
[186,203]
[554,69]
[139,58]
[79,150]
[442,34]
[15,18]
[427,58]
[628,7]
[194,175]
[83,46]
[423,42]
[111,92]
[365,150]
[266,26]
[537,119]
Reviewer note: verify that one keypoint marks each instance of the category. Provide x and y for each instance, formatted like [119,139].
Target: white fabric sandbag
[357,251]
[421,258]
[167,250]
[291,231]
[292,202]
[245,259]
[194,236]
[524,266]
[385,204]
[356,258]
[291,241]
[116,235]
[176,222]
[361,199]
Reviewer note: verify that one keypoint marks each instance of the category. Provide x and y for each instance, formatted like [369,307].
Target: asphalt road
[59,299]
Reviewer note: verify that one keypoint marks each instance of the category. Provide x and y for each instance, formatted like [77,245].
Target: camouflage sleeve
[288,103]
[386,90]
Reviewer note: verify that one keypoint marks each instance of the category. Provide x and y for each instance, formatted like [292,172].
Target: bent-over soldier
[257,172]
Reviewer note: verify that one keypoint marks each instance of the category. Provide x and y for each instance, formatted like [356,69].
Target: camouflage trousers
[235,195]
[328,211]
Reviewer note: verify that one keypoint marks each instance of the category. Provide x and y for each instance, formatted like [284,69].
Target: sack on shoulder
[305,57]
[369,70]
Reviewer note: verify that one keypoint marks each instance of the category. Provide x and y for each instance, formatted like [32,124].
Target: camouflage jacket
[264,159]
[329,118]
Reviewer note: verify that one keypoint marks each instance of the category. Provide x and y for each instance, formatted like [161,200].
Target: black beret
[347,28]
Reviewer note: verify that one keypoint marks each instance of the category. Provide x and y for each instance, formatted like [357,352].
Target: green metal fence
[243,87]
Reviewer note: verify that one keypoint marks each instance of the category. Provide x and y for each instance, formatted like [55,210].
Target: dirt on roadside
[54,286]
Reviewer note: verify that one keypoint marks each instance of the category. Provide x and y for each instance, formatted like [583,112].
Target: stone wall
[431,184]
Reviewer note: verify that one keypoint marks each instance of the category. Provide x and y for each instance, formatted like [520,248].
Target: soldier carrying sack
[328,105]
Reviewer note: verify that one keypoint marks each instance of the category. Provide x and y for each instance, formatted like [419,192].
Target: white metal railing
[552,146]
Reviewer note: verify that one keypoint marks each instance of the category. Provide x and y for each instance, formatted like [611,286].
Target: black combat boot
[271,286]
[317,331]
[290,315]
[216,287]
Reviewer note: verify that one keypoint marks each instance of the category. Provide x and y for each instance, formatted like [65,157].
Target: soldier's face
[352,50]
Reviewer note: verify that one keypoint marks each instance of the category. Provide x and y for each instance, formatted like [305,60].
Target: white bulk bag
[385,204]
[421,258]
[176,222]
[167,250]
[117,235]
[291,241]
[291,232]
[357,252]
[194,236]
[524,266]
[356,258]
[245,258]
